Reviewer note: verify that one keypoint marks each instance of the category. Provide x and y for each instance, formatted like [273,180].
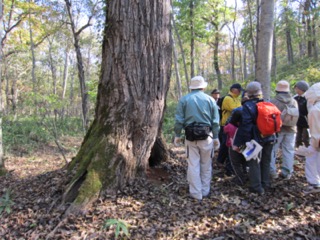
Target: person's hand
[216,144]
[177,141]
[315,143]
[236,148]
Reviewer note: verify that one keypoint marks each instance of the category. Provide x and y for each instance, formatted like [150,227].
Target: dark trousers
[302,137]
[223,156]
[259,173]
[239,165]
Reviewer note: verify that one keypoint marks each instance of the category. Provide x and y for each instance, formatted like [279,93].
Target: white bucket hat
[283,86]
[198,82]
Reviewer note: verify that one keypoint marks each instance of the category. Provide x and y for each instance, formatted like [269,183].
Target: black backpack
[219,103]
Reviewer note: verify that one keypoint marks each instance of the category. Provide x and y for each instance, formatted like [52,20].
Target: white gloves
[177,141]
[216,144]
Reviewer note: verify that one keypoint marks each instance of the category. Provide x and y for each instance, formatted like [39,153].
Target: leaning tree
[132,90]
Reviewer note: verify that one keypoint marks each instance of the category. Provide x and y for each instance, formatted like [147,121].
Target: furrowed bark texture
[131,98]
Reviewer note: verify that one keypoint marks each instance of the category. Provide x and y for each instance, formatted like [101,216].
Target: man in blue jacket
[198,108]
[258,171]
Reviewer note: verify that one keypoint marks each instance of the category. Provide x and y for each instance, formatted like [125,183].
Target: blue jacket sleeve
[179,118]
[246,127]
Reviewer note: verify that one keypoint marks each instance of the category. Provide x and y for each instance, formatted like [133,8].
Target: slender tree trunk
[8,94]
[182,53]
[176,67]
[240,60]
[274,48]
[233,73]
[307,12]
[258,2]
[53,69]
[245,67]
[264,55]
[2,166]
[300,35]
[216,58]
[132,90]
[81,75]
[274,55]
[192,48]
[288,36]
[72,90]
[65,73]
[251,30]
[314,35]
[33,58]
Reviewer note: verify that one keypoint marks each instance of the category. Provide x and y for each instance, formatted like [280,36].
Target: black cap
[237,86]
[214,91]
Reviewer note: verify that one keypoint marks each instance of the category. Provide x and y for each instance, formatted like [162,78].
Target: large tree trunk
[136,63]
[264,54]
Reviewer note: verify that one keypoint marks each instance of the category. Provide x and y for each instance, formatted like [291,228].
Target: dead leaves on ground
[158,209]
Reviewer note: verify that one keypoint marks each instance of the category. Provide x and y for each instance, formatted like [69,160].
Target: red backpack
[269,118]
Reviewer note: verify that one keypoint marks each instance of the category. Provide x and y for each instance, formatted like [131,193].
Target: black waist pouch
[197,131]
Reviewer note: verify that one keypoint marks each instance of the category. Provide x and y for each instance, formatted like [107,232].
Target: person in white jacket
[312,167]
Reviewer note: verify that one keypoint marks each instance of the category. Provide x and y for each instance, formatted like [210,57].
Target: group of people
[226,124]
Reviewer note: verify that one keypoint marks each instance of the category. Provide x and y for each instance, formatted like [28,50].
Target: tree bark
[264,54]
[65,73]
[288,35]
[192,50]
[307,13]
[300,35]
[251,31]
[274,56]
[81,75]
[176,68]
[182,53]
[234,33]
[33,58]
[53,68]
[2,166]
[135,74]
[274,49]
[216,58]
[245,67]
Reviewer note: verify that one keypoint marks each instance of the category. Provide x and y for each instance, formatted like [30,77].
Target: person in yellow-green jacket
[230,102]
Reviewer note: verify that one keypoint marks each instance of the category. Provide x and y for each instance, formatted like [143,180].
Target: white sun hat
[198,82]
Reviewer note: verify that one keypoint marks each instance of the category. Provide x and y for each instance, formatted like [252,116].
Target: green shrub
[31,132]
[6,203]
[120,226]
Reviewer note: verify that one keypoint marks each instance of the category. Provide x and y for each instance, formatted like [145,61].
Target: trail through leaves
[155,208]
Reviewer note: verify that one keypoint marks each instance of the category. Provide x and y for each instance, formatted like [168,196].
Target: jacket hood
[284,97]
[313,94]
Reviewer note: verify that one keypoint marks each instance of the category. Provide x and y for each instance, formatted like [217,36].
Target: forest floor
[154,208]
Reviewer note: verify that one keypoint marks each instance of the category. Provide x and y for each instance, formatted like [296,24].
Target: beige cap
[283,86]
